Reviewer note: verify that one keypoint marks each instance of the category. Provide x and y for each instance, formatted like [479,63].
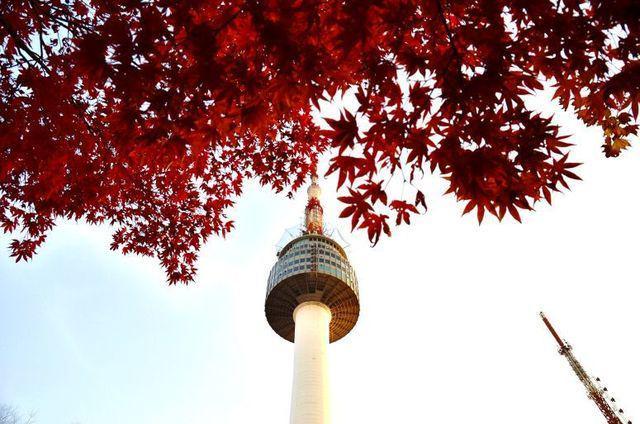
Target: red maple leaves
[150,115]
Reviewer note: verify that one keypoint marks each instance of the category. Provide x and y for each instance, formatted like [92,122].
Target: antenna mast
[595,391]
[313,212]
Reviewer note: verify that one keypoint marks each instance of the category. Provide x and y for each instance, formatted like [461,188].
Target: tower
[598,394]
[312,300]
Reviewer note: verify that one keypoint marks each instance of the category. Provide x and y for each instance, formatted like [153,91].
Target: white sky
[449,329]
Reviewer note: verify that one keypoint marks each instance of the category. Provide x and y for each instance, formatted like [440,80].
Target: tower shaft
[310,395]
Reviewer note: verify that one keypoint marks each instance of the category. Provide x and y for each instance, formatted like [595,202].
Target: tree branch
[449,34]
[228,21]
[22,45]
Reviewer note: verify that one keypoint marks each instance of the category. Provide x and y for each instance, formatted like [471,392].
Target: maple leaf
[403,210]
[348,168]
[615,147]
[344,131]
[358,209]
[374,191]
[420,200]
[376,224]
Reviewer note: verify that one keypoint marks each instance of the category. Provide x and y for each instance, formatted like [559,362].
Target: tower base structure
[310,395]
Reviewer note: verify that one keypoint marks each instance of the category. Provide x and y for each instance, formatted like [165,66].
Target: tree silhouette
[10,415]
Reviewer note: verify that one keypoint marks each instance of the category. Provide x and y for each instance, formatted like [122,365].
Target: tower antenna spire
[561,343]
[313,220]
[596,392]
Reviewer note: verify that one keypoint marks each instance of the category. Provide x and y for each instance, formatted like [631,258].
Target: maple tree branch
[72,23]
[224,110]
[22,46]
[40,26]
[227,22]
[88,125]
[443,19]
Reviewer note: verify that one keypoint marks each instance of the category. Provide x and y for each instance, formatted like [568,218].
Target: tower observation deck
[312,300]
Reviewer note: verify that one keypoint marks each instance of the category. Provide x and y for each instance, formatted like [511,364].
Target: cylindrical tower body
[310,395]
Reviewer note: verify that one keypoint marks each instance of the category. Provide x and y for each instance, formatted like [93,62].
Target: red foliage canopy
[150,115]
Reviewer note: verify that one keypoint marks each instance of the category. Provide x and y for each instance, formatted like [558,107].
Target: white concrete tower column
[310,396]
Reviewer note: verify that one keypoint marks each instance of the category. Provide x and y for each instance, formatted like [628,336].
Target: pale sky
[449,330]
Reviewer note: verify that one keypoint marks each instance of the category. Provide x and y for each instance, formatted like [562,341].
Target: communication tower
[312,300]
[595,390]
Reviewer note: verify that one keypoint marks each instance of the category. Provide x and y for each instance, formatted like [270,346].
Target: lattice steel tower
[312,300]
[596,392]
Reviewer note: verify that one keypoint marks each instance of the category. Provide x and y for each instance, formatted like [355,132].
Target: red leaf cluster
[150,115]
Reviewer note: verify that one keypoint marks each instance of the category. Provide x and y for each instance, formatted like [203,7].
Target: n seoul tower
[312,300]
